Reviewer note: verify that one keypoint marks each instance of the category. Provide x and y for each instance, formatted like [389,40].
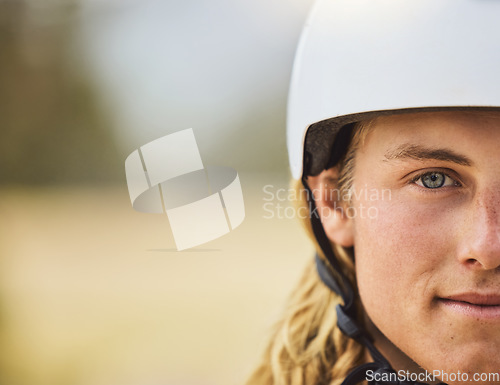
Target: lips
[476,299]
[478,305]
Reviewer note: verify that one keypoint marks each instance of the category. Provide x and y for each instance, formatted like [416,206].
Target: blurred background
[92,292]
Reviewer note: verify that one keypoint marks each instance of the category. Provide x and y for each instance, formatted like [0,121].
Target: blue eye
[433,180]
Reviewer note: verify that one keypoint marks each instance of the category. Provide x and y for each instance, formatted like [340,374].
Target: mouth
[477,305]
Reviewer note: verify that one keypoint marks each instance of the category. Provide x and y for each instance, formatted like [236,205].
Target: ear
[331,209]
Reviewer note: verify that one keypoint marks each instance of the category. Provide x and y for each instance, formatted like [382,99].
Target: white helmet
[361,58]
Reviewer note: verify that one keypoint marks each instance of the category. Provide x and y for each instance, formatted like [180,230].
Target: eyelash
[446,175]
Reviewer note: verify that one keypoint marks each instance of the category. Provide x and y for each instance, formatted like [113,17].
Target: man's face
[426,234]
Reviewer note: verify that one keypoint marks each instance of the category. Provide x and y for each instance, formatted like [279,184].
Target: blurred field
[92,292]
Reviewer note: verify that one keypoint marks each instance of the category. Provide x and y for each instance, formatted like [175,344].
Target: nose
[481,246]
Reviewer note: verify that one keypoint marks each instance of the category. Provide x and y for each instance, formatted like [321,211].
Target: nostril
[472,262]
[483,263]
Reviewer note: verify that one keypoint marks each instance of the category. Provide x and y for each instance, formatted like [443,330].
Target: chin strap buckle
[346,324]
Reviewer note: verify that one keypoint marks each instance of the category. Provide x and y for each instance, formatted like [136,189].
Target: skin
[427,247]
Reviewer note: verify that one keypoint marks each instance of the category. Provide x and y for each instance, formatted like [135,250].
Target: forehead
[464,130]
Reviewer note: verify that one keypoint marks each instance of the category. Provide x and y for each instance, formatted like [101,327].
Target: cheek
[399,257]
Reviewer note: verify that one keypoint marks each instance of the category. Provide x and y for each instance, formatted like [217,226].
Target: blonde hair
[307,347]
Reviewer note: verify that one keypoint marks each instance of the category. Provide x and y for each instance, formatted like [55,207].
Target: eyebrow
[412,151]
